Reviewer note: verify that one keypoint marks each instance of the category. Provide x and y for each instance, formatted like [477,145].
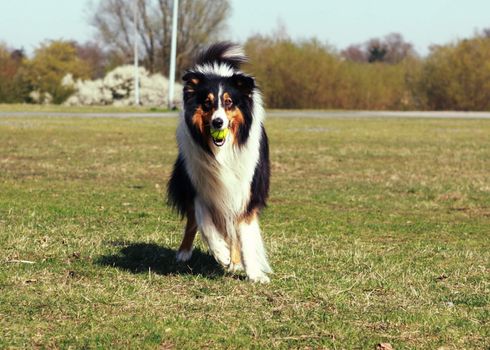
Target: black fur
[260,182]
[180,191]
[216,54]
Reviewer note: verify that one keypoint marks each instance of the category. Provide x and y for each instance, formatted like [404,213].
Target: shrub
[308,74]
[117,88]
[294,75]
[12,88]
[376,86]
[457,76]
[51,62]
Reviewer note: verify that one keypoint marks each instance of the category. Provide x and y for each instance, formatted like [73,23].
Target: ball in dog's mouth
[219,136]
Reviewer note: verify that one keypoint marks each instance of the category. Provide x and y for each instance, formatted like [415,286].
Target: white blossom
[117,88]
[68,81]
[41,97]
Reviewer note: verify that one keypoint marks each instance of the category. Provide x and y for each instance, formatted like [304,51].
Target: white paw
[183,255]
[259,278]
[222,256]
[235,267]
[221,252]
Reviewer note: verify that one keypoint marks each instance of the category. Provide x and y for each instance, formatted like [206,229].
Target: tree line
[380,74]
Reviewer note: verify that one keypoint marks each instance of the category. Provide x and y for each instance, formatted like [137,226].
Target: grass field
[377,229]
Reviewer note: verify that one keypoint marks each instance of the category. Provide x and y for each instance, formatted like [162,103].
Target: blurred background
[371,55]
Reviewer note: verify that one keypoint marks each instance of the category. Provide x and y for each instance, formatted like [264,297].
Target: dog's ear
[244,83]
[191,82]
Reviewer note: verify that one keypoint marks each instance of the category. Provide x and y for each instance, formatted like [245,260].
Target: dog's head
[218,98]
[218,103]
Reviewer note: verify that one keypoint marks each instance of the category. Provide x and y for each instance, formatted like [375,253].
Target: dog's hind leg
[253,251]
[185,249]
[212,236]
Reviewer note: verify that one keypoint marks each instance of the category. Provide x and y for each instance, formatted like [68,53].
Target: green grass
[377,229]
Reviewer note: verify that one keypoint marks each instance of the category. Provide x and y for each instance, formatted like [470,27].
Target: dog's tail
[223,52]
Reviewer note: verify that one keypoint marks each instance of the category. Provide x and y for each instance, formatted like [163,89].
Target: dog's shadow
[144,257]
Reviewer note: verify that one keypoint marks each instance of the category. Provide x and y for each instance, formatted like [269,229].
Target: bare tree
[391,49]
[200,21]
[397,49]
[354,53]
[97,59]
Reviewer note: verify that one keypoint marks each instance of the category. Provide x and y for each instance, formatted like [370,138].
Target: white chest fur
[223,180]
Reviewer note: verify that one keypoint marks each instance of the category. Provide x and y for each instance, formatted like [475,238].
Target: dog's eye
[228,103]
[207,104]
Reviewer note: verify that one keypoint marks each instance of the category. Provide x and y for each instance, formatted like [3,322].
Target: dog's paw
[222,257]
[259,278]
[183,255]
[221,253]
[235,267]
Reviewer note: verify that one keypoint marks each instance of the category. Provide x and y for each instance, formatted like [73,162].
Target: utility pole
[136,69]
[173,53]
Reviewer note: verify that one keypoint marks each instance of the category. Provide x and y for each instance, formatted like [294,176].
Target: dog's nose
[217,123]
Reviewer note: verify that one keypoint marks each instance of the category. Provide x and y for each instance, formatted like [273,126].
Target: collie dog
[220,180]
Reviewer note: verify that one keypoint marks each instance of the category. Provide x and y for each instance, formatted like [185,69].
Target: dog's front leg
[214,239]
[236,257]
[253,251]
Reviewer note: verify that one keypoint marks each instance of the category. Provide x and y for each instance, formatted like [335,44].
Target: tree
[354,53]
[309,74]
[457,76]
[397,49]
[199,22]
[52,61]
[95,57]
[376,51]
[391,49]
[11,88]
[294,74]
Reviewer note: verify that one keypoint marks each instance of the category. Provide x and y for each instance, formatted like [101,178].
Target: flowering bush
[40,97]
[117,88]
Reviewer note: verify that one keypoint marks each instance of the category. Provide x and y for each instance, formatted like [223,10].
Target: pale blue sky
[25,23]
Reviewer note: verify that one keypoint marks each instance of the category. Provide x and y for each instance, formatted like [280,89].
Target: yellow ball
[219,135]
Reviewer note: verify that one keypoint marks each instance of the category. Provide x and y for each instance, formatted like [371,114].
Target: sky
[26,23]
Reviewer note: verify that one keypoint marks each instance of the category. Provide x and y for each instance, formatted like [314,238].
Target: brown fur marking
[198,119]
[201,118]
[190,231]
[219,222]
[236,256]
[250,217]
[226,97]
[234,115]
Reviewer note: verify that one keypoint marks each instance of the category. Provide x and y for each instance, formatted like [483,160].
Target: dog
[220,180]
